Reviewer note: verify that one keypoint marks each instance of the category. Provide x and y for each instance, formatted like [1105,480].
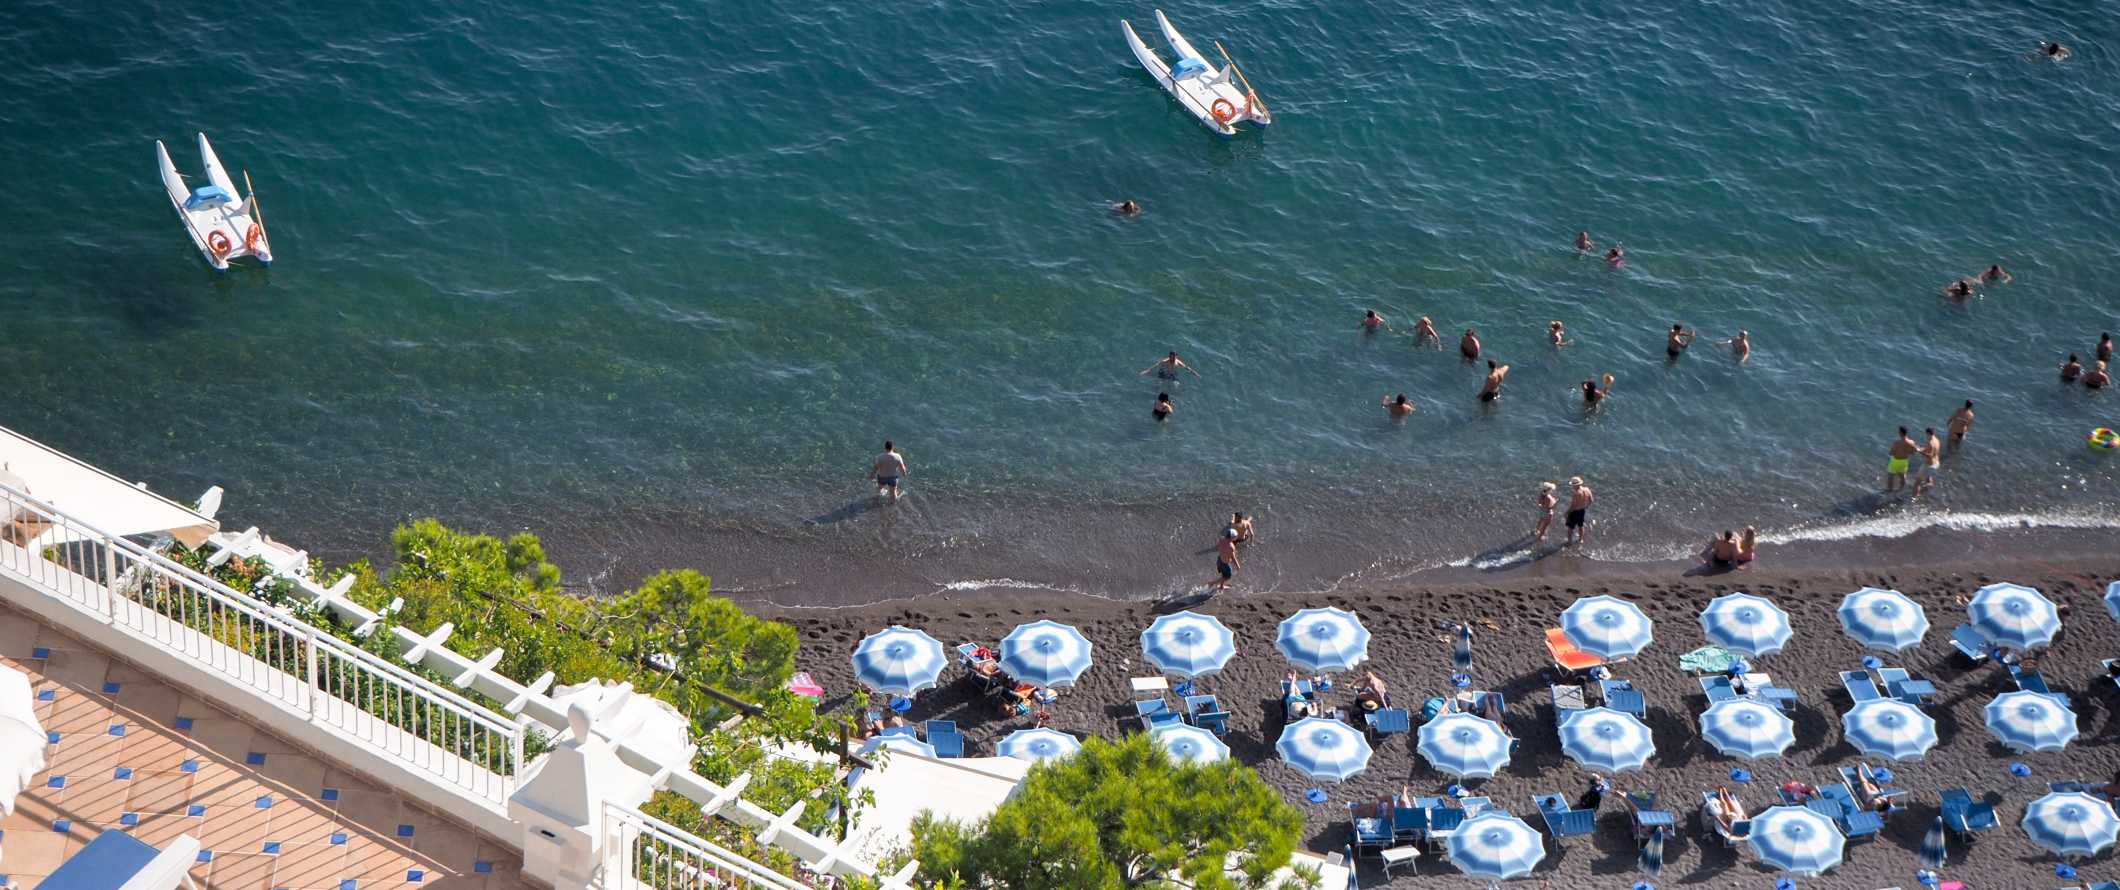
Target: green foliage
[1119,815]
[716,643]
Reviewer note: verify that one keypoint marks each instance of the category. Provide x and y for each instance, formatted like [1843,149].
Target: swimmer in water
[1996,273]
[1169,366]
[1398,405]
[1557,335]
[1593,394]
[1164,409]
[2105,347]
[1960,423]
[1469,345]
[1492,389]
[2053,50]
[1960,290]
[1741,346]
[2071,369]
[1676,343]
[1372,322]
[1424,331]
[1617,256]
[2097,378]
[1128,207]
[1582,243]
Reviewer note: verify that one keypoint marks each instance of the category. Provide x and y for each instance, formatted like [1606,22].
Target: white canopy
[962,789]
[100,499]
[21,738]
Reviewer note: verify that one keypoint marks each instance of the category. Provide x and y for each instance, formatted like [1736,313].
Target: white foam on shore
[1904,524]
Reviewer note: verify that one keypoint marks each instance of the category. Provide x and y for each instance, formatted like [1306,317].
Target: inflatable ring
[2102,439]
[217,241]
[252,237]
[1223,111]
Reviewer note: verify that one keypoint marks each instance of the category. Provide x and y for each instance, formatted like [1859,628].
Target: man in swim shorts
[1930,472]
[1227,562]
[1492,389]
[1895,469]
[887,468]
[1469,345]
[1961,422]
[1579,500]
[1168,368]
[1677,342]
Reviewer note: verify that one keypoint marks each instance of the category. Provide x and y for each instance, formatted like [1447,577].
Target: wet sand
[1410,650]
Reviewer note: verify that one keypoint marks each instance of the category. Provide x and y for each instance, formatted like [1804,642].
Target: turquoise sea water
[656,279]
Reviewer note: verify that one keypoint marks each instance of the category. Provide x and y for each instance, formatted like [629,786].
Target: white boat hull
[222,231]
[1209,92]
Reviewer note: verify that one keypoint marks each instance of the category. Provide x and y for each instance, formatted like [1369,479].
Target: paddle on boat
[1222,98]
[221,225]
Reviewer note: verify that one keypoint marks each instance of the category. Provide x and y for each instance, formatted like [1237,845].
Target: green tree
[716,643]
[1119,815]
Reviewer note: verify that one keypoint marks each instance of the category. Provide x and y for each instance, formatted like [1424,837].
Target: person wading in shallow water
[1227,562]
[1579,500]
[887,469]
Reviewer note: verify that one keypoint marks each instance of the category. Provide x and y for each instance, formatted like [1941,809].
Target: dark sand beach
[1410,650]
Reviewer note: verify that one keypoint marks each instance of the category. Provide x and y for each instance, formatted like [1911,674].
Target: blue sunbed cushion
[208,196]
[1186,67]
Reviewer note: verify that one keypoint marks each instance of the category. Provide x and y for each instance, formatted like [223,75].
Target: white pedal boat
[1220,97]
[221,225]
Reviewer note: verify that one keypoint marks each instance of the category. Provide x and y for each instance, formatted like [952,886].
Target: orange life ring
[252,237]
[217,241]
[1223,110]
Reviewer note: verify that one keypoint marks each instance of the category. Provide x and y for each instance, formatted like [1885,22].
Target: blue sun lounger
[942,735]
[2033,681]
[1560,820]
[1859,686]
[1963,814]
[1969,643]
[116,859]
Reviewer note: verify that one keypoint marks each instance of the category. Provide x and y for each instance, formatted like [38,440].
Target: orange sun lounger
[1565,655]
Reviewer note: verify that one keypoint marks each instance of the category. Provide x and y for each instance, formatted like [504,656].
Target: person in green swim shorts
[1895,470]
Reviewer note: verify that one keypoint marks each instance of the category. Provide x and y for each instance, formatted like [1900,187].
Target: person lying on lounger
[1727,809]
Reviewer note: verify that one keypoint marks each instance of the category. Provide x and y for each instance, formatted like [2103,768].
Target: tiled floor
[132,754]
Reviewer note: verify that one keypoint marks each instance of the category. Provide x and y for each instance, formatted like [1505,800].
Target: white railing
[642,852]
[283,659]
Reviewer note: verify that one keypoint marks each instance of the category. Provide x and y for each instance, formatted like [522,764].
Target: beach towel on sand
[1710,660]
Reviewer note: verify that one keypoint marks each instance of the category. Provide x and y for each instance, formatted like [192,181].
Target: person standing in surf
[1895,469]
[1546,504]
[1960,423]
[887,469]
[1469,345]
[1580,498]
[1164,409]
[1675,344]
[1227,562]
[1931,470]
[1492,389]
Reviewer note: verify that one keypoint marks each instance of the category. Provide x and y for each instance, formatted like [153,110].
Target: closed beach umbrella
[1741,622]
[2013,616]
[1606,626]
[1038,744]
[899,660]
[1045,653]
[1323,640]
[1742,727]
[1652,858]
[1461,652]
[1191,743]
[1188,644]
[1798,840]
[1935,849]
[1497,846]
[2112,599]
[1887,727]
[1606,740]
[1326,749]
[1464,745]
[1883,619]
[2071,823]
[2030,721]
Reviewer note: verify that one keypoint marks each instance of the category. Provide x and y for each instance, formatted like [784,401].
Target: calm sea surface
[655,280]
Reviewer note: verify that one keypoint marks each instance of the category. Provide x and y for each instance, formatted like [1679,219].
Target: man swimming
[1371,321]
[1169,366]
[1995,273]
[1895,469]
[1617,256]
[886,470]
[1469,345]
[1961,422]
[1677,341]
[1128,207]
[1582,242]
[1931,468]
[2053,50]
[1492,389]
[2097,378]
[1579,501]
[1424,331]
[2071,369]
[1741,346]
[1164,409]
[1557,335]
[1398,406]
[1593,394]
[1959,290]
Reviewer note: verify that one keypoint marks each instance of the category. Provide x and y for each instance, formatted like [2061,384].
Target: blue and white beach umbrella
[2112,599]
[2030,721]
[1045,653]
[1883,619]
[2071,823]
[1605,740]
[1606,626]
[1797,840]
[1326,749]
[1742,727]
[1464,745]
[1323,640]
[1888,727]
[1191,743]
[2013,616]
[899,660]
[1188,644]
[1741,622]
[1038,744]
[1497,846]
